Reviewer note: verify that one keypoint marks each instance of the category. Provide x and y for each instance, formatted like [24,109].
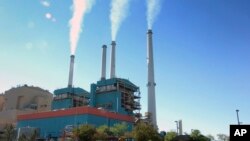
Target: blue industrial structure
[110,101]
[115,95]
[69,97]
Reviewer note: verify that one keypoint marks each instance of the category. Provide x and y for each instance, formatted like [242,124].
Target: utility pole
[237,112]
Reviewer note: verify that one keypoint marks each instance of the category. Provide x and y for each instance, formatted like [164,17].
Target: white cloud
[45,3]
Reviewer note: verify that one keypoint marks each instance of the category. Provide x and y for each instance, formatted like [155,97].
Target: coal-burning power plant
[110,101]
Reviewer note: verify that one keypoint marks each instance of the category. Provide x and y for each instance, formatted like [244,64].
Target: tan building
[21,100]
[1,102]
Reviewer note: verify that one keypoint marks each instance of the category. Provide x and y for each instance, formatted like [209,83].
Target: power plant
[110,101]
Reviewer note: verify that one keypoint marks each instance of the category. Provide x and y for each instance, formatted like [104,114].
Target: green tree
[22,138]
[128,135]
[119,129]
[104,129]
[102,132]
[197,136]
[211,137]
[223,137]
[170,136]
[85,132]
[145,132]
[33,136]
[9,132]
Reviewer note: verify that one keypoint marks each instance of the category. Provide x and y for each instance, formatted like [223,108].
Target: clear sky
[201,52]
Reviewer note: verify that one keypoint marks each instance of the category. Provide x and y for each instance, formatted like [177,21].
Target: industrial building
[109,101]
[21,100]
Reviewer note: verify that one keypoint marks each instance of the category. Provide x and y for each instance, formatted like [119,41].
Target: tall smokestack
[151,82]
[112,69]
[180,127]
[71,71]
[104,54]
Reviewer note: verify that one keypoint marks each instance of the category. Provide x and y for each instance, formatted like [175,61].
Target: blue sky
[201,52]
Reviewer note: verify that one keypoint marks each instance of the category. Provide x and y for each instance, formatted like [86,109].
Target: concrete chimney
[104,54]
[180,127]
[112,66]
[151,82]
[71,71]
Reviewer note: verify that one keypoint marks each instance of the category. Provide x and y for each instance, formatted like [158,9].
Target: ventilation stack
[104,54]
[112,69]
[180,127]
[151,82]
[71,71]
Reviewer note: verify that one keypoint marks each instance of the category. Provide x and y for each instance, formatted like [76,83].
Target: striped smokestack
[112,66]
[104,54]
[71,71]
[151,82]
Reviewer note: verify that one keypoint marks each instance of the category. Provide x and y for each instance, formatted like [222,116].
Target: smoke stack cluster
[151,82]
[71,71]
[104,56]
[112,66]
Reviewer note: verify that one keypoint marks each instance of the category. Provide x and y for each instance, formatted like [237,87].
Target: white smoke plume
[118,13]
[80,7]
[153,8]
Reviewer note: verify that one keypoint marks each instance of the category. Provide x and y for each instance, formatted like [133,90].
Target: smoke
[153,8]
[118,13]
[80,7]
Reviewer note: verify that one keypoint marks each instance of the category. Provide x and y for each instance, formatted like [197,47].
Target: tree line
[141,132]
